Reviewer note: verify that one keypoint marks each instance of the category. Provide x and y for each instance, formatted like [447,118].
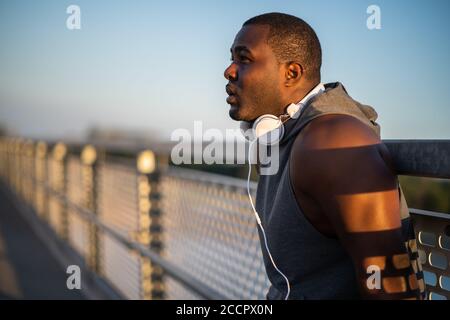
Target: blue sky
[158,65]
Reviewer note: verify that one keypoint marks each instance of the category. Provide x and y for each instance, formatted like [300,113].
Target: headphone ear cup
[269,129]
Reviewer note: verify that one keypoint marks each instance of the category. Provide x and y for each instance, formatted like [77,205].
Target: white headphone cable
[258,220]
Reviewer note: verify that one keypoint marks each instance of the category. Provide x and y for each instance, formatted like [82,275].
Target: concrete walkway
[28,270]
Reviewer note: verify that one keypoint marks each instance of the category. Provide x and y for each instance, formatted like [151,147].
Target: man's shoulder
[335,131]
[329,144]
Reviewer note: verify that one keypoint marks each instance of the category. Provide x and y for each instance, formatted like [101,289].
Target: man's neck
[303,91]
[299,94]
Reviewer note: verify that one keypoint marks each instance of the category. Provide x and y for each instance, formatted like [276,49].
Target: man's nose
[230,73]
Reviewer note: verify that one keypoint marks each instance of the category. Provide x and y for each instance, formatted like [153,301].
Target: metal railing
[428,158]
[150,230]
[155,231]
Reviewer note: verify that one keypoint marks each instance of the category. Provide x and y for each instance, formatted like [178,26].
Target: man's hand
[340,164]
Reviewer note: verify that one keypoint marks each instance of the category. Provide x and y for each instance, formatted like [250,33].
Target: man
[334,215]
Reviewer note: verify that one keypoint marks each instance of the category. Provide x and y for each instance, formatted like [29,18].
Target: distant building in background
[127,138]
[4,130]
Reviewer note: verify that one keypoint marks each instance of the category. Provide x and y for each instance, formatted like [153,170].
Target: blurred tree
[426,193]
[3,130]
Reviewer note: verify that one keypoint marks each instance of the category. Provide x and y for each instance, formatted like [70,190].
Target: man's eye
[241,58]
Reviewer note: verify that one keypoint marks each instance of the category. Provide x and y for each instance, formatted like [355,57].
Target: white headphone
[271,127]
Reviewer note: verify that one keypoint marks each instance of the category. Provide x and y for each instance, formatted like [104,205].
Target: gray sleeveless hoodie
[317,266]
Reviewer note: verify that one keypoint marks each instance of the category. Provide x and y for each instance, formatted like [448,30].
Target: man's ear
[293,73]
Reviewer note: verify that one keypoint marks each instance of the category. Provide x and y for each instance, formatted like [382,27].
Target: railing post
[18,167]
[4,159]
[22,168]
[12,167]
[29,172]
[59,184]
[12,159]
[9,166]
[41,172]
[89,181]
[150,228]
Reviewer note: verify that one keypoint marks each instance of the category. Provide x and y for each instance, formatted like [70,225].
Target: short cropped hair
[292,40]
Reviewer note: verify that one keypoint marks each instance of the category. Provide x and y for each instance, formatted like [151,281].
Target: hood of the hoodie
[334,100]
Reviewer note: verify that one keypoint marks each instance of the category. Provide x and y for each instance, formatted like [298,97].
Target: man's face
[254,76]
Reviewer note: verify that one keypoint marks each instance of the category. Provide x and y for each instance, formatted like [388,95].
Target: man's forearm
[389,277]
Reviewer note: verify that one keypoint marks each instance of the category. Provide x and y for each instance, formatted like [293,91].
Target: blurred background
[149,67]
[138,70]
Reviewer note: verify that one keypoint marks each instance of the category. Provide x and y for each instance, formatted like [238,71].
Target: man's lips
[232,96]
[230,89]
[232,99]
